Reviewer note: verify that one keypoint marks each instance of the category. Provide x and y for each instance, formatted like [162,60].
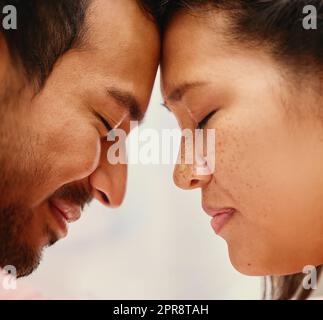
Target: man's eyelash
[105,123]
[204,122]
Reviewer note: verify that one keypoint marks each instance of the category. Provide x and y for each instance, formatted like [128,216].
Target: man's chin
[23,260]
[22,240]
[29,258]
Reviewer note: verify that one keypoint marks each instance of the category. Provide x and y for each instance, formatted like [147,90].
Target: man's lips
[65,212]
[220,216]
[71,212]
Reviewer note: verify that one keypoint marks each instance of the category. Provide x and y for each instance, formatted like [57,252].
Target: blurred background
[158,245]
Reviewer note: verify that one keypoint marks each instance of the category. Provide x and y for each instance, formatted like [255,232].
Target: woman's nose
[191,172]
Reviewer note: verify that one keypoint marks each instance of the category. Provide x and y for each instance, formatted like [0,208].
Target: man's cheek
[79,159]
[76,157]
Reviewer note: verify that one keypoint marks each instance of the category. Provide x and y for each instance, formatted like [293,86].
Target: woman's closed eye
[204,122]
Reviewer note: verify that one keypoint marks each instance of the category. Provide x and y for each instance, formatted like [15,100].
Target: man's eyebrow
[179,91]
[127,101]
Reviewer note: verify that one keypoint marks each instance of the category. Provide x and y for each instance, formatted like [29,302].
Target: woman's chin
[249,265]
[252,266]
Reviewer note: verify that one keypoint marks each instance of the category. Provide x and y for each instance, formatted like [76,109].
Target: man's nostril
[194,182]
[105,198]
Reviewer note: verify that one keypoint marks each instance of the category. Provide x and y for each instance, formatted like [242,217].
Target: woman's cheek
[242,163]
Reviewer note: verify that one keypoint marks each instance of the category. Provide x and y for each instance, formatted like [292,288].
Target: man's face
[53,158]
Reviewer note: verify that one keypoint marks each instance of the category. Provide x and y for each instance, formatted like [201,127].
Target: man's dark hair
[278,23]
[46,29]
[153,7]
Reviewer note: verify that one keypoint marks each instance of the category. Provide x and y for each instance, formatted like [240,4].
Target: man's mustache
[76,194]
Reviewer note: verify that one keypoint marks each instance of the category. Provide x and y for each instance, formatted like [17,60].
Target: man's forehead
[122,31]
[122,45]
[122,18]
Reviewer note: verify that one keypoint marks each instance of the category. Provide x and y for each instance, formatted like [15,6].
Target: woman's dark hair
[279,24]
[287,287]
[46,29]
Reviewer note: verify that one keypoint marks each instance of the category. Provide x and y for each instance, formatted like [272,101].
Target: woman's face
[269,144]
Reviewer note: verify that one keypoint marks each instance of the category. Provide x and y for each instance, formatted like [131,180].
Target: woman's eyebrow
[127,101]
[180,90]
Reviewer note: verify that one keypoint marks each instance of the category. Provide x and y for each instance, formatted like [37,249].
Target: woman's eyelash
[203,123]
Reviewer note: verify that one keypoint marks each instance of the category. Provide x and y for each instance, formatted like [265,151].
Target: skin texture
[269,142]
[54,142]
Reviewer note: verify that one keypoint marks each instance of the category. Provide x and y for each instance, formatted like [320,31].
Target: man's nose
[109,180]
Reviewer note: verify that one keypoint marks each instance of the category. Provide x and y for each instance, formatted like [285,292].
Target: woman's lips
[219,217]
[64,212]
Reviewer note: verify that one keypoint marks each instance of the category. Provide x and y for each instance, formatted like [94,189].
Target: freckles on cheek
[242,170]
[235,168]
[228,153]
